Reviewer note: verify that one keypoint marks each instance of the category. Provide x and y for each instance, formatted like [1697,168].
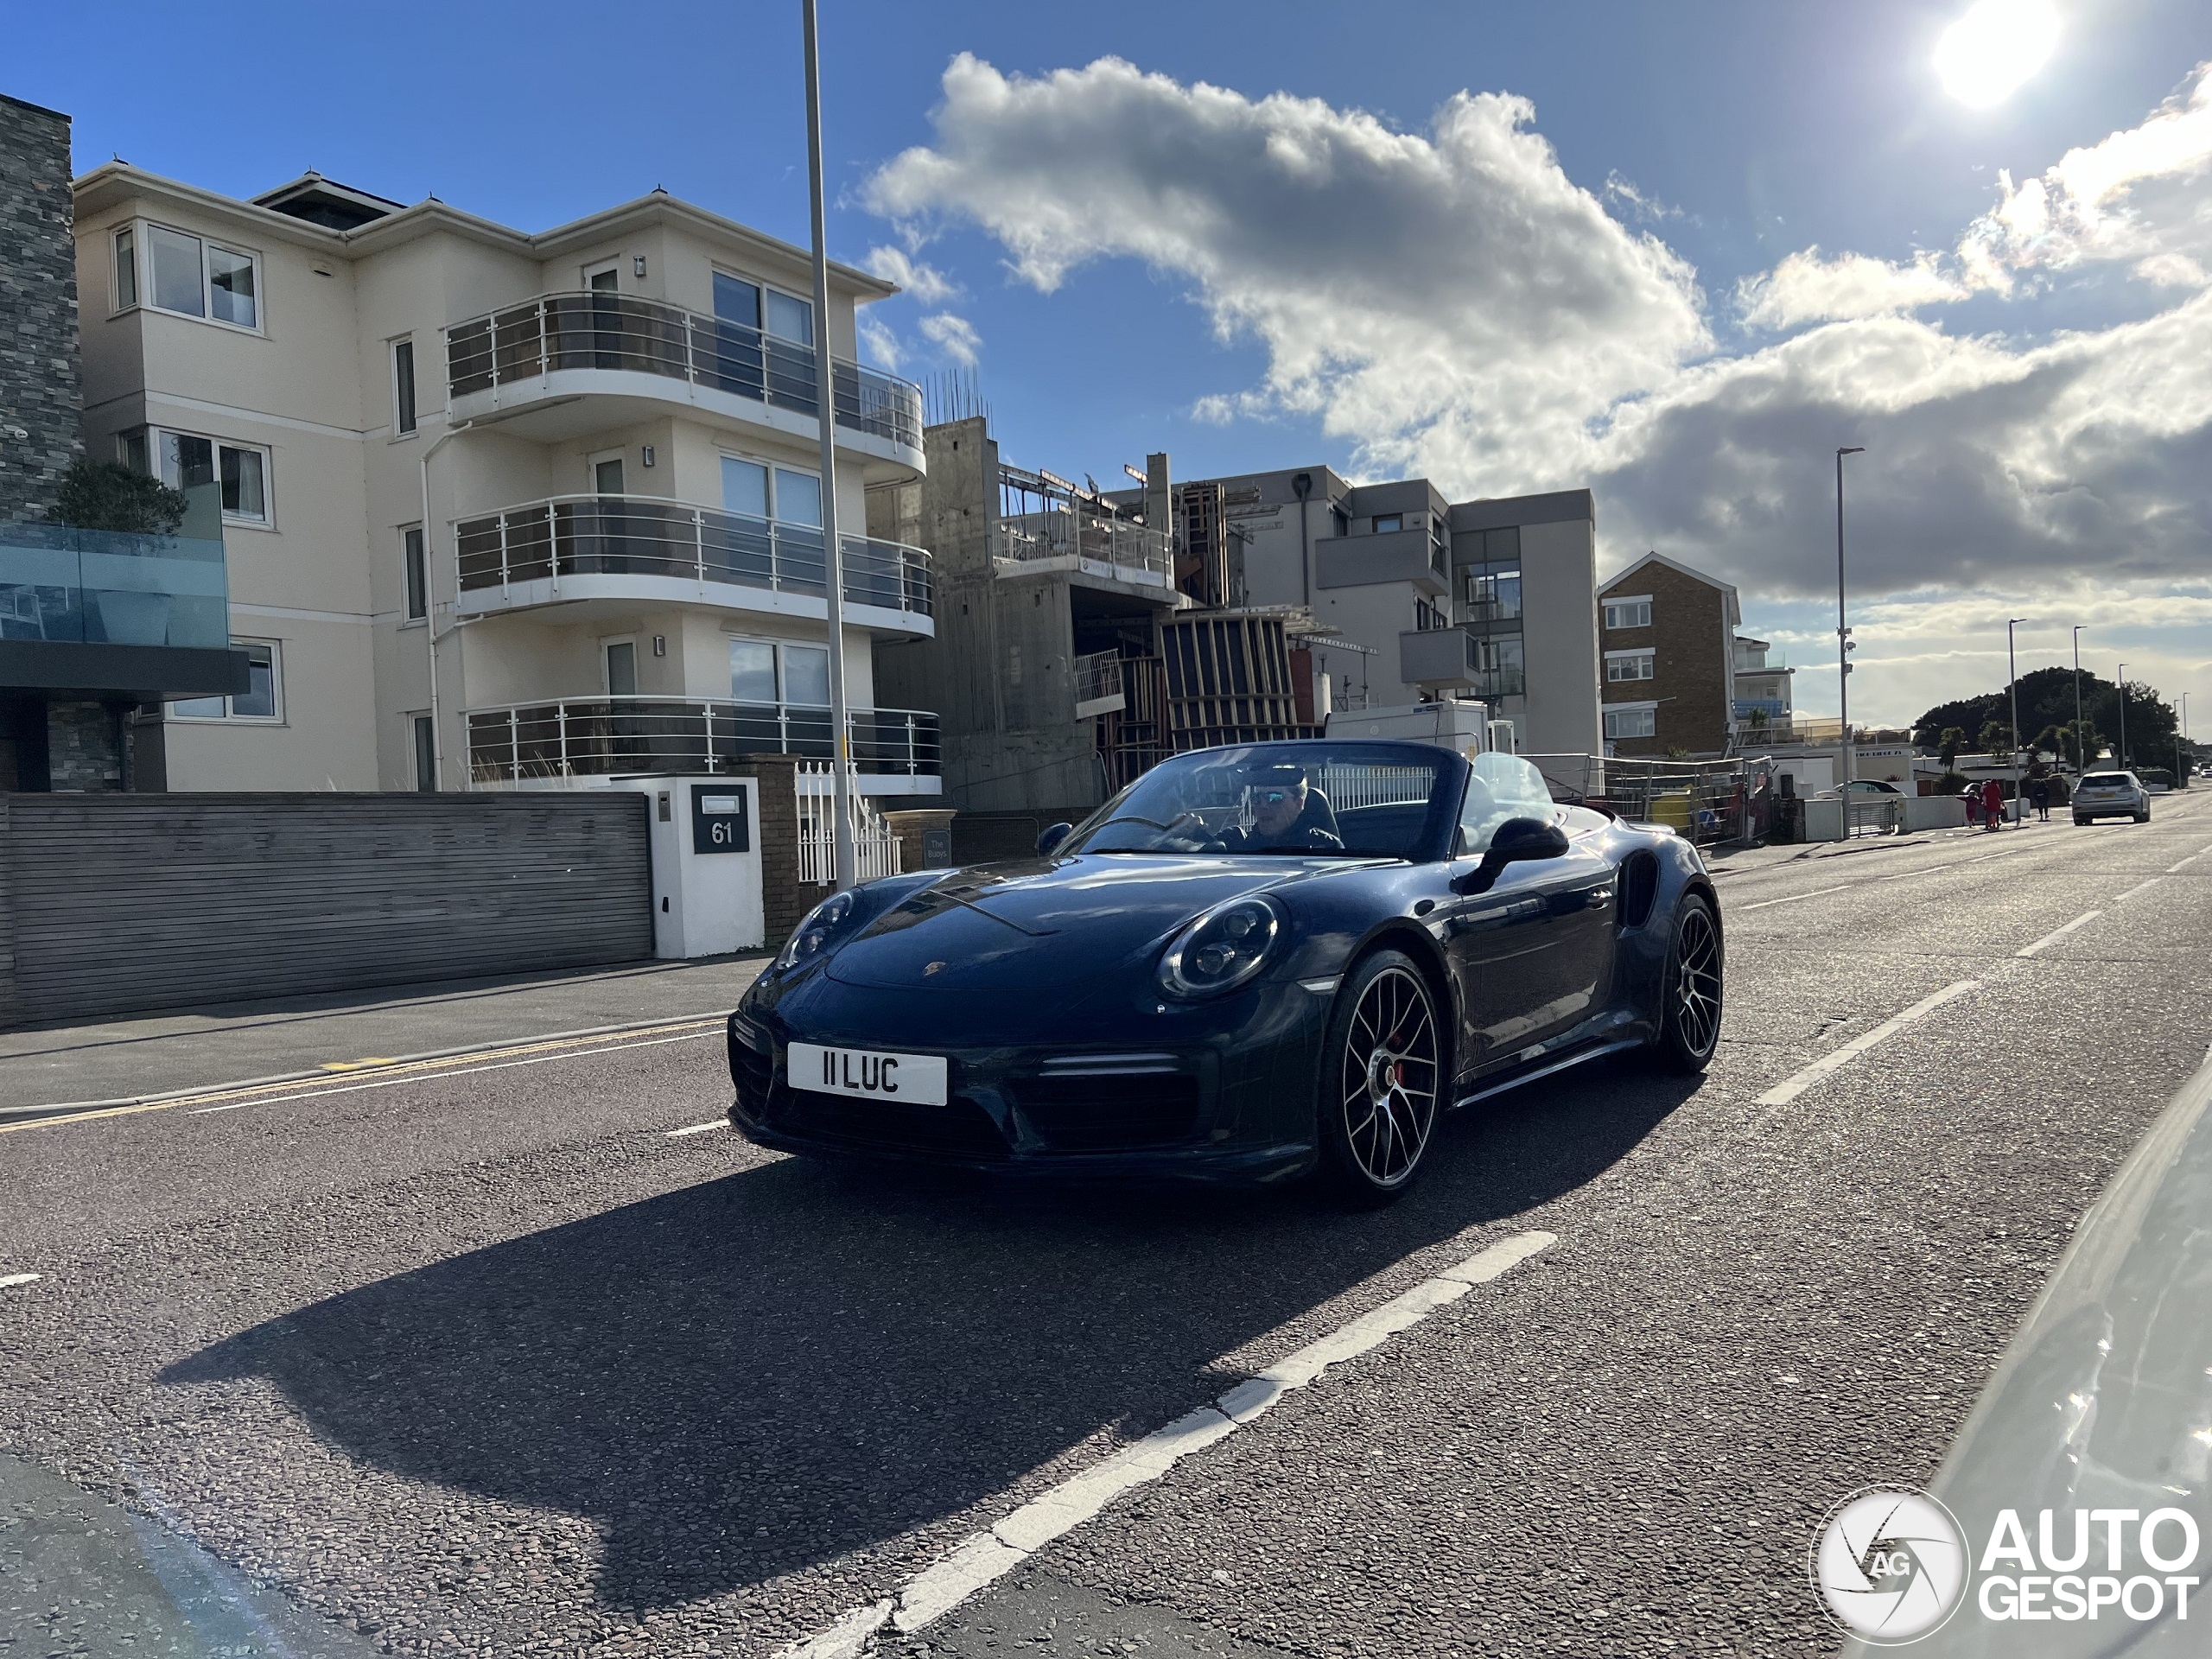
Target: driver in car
[1288,817]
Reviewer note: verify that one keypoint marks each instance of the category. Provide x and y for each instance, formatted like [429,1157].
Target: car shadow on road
[766,1370]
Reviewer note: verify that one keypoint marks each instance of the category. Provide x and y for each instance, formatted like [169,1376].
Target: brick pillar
[783,900]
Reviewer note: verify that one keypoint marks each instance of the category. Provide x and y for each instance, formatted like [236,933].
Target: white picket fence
[875,849]
[1349,786]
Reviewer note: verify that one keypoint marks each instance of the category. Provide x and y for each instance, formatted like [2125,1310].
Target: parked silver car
[2111,795]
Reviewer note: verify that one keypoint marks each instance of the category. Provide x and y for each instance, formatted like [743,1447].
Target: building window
[185,461]
[263,700]
[1427,619]
[193,276]
[1492,593]
[416,563]
[1387,522]
[1629,613]
[1623,665]
[126,269]
[762,672]
[1637,722]
[759,490]
[426,753]
[791,318]
[403,386]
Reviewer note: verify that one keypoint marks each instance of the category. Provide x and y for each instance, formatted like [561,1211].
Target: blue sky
[1727,137]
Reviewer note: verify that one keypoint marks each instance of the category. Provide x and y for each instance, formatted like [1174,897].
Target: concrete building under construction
[1081,638]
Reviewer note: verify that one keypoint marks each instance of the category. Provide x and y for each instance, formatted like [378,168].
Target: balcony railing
[615,331]
[628,535]
[595,737]
[100,587]
[1132,552]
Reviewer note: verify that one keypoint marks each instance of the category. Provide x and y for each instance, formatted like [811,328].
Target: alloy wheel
[1697,980]
[1389,1076]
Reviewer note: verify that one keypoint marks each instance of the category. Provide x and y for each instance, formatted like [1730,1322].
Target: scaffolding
[1229,680]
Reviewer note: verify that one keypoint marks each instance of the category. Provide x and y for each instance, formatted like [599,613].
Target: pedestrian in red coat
[1992,804]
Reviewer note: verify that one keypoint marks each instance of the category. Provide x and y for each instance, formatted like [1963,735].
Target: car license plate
[869,1074]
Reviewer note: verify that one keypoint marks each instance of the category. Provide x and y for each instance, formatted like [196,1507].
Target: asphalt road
[485,1360]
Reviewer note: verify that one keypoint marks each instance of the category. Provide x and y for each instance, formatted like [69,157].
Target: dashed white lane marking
[1797,898]
[1789,1087]
[2057,934]
[983,1556]
[695,1129]
[10,1280]
[2137,888]
[460,1071]
[2191,859]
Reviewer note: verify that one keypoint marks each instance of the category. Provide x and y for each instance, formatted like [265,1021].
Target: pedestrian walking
[2039,792]
[1992,804]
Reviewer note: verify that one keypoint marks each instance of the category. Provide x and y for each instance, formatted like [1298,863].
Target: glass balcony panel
[98,587]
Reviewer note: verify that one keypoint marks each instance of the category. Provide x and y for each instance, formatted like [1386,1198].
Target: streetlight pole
[1842,632]
[825,395]
[2013,668]
[2181,747]
[2120,677]
[2080,744]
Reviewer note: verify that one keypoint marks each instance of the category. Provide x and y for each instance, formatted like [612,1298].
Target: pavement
[522,1353]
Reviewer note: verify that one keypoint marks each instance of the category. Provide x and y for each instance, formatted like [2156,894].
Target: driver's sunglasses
[1275,796]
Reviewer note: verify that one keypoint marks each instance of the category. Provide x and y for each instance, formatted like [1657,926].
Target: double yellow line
[338,1076]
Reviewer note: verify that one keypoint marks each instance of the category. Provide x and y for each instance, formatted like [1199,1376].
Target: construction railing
[1098,681]
[876,848]
[555,332]
[1042,516]
[630,535]
[584,737]
[1707,800]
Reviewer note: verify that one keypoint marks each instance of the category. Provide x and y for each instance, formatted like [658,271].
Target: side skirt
[1548,1070]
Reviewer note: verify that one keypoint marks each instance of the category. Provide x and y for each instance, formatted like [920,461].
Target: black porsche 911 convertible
[1252,962]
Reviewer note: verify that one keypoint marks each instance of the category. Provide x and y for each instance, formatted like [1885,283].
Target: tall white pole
[826,392]
[1843,634]
[2013,667]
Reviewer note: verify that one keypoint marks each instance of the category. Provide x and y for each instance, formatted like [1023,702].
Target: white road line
[1797,898]
[458,1072]
[983,1556]
[2057,934]
[2191,859]
[10,1280]
[697,1129]
[2137,888]
[1788,1090]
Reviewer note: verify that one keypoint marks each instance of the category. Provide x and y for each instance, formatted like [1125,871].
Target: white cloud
[925,282]
[883,346]
[1446,292]
[956,337]
[1452,304]
[1806,288]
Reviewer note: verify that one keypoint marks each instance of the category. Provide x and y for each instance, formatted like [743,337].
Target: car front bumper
[1223,1094]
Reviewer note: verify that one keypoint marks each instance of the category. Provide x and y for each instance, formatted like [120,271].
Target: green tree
[1948,746]
[2046,740]
[1996,739]
[106,495]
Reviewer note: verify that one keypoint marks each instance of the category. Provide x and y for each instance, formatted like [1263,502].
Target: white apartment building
[502,509]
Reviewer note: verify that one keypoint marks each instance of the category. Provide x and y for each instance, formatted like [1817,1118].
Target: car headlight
[812,936]
[1222,949]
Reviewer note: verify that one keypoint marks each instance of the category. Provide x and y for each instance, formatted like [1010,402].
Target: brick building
[39,428]
[1667,648]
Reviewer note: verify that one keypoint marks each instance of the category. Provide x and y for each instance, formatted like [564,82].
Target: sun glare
[1992,51]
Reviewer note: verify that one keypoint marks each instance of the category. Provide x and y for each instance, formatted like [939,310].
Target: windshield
[1315,800]
[2106,780]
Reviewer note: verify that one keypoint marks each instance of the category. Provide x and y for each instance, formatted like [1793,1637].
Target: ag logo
[1890,1565]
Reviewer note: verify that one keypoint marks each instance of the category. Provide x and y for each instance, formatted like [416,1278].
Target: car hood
[1044,924]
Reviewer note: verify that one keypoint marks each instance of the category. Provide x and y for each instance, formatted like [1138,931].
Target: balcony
[1435,658]
[1392,556]
[1045,522]
[1098,686]
[894,749]
[569,550]
[530,363]
[104,611]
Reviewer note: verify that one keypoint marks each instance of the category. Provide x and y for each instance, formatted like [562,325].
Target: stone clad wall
[39,385]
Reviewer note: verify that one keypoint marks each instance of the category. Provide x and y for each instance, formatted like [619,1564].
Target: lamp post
[2081,744]
[2120,678]
[2013,668]
[2181,747]
[1842,632]
[825,404]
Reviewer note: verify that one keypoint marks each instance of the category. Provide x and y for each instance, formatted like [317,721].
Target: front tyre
[1690,991]
[1382,1080]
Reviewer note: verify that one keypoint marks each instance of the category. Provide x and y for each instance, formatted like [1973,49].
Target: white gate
[875,849]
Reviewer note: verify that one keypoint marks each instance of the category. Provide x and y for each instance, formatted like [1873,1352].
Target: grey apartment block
[39,383]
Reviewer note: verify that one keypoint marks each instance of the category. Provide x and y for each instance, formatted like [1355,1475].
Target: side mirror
[1051,836]
[1516,839]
